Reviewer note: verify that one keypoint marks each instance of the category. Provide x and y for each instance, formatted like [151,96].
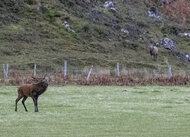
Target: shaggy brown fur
[153,51]
[33,91]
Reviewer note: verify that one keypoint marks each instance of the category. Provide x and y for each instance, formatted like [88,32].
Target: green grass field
[95,111]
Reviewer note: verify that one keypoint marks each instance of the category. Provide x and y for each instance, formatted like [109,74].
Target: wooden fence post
[65,68]
[169,71]
[34,69]
[6,71]
[89,73]
[118,73]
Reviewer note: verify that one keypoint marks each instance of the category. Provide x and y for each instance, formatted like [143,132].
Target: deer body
[33,91]
[153,51]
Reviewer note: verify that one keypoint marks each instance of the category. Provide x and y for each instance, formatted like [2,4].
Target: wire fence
[94,75]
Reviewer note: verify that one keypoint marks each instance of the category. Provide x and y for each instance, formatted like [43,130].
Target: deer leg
[24,99]
[155,57]
[35,100]
[16,101]
[36,104]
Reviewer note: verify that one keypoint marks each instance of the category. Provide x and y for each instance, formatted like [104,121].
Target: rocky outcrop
[153,12]
[166,1]
[184,34]
[166,43]
[170,45]
[109,5]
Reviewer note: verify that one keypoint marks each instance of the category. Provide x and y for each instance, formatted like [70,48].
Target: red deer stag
[32,90]
[153,51]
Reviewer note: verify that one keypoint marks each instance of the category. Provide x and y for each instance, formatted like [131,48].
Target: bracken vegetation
[129,79]
[178,10]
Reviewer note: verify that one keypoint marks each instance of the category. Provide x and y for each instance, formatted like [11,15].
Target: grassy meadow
[98,111]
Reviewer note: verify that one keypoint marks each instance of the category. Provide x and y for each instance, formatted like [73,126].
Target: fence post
[169,71]
[118,73]
[89,73]
[34,69]
[6,70]
[65,68]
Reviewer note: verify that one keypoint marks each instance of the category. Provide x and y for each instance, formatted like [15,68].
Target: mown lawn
[98,111]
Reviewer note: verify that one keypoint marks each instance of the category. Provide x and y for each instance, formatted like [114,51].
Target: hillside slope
[34,32]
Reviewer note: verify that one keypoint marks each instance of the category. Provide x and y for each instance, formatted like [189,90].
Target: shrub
[32,2]
[178,10]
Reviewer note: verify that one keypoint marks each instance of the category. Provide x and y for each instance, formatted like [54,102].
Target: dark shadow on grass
[156,91]
[167,107]
[4,93]
[140,92]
